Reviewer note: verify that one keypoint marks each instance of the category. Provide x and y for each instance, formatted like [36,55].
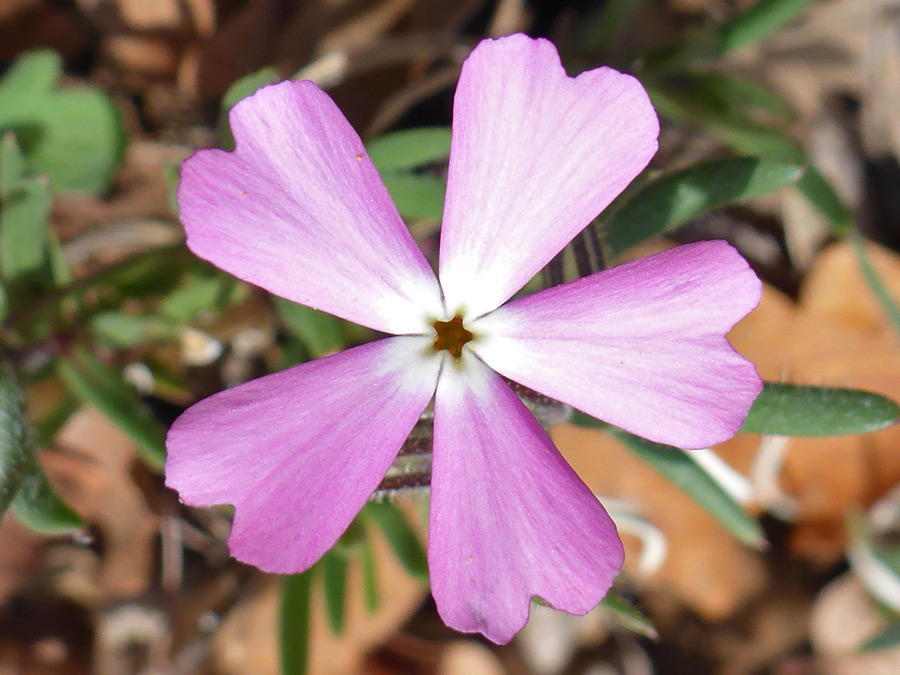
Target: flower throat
[451,335]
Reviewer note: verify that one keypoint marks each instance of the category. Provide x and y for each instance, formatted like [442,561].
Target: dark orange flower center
[451,335]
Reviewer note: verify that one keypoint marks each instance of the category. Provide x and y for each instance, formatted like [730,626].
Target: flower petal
[299,209]
[535,156]
[299,452]
[510,519]
[641,346]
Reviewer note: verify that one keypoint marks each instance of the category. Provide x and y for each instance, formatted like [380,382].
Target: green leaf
[410,148]
[334,578]
[4,303]
[241,89]
[172,175]
[34,72]
[417,196]
[23,229]
[820,193]
[14,450]
[683,101]
[761,20]
[629,616]
[94,383]
[678,466]
[75,134]
[321,333]
[400,537]
[795,410]
[120,330]
[667,202]
[369,576]
[201,293]
[39,507]
[736,92]
[296,592]
[888,638]
[12,164]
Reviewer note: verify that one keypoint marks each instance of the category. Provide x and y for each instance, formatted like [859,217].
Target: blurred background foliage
[780,134]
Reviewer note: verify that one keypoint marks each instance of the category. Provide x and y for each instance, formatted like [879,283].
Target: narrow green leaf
[873,279]
[14,451]
[795,410]
[682,101]
[369,576]
[737,92]
[296,592]
[410,148]
[821,194]
[23,229]
[761,20]
[400,537]
[39,507]
[241,89]
[4,303]
[94,383]
[120,330]
[888,638]
[12,164]
[667,202]
[74,134]
[321,333]
[417,196]
[334,584]
[629,616]
[677,465]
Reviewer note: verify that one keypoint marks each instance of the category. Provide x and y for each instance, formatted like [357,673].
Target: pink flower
[299,209]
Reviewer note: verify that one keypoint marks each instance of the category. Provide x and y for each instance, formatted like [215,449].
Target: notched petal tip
[641,346]
[299,209]
[510,519]
[535,156]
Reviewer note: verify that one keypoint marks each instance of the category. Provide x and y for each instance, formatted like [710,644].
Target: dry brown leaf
[706,568]
[94,477]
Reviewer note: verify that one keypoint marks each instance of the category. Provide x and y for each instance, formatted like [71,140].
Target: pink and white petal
[641,346]
[510,519]
[535,156]
[299,452]
[299,209]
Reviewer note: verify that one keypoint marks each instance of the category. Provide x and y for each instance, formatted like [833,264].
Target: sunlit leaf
[23,229]
[667,202]
[417,196]
[795,410]
[74,134]
[410,148]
